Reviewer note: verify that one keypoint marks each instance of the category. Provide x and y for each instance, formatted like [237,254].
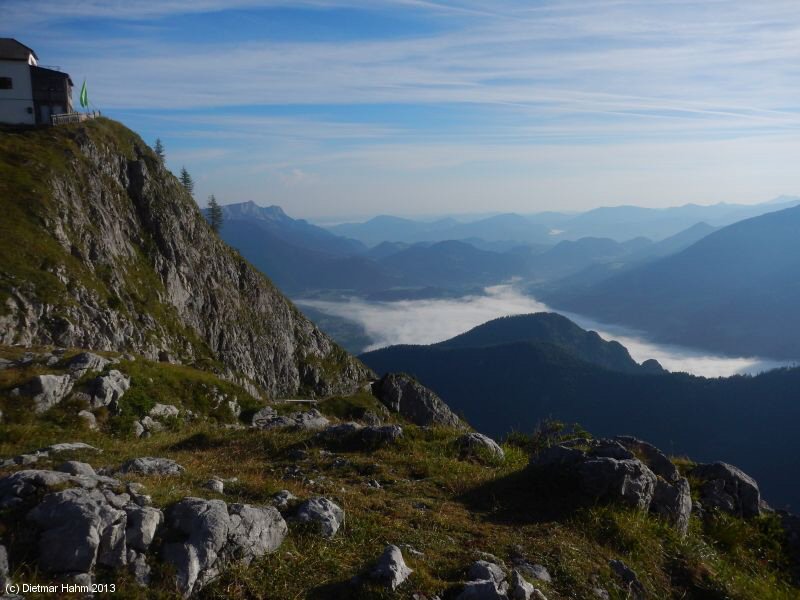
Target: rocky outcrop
[109,388]
[310,420]
[326,515]
[80,528]
[141,271]
[413,401]
[45,390]
[479,446]
[95,521]
[390,569]
[488,581]
[728,488]
[214,534]
[86,362]
[148,465]
[30,458]
[624,470]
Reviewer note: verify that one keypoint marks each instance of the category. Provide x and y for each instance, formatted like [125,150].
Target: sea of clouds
[430,321]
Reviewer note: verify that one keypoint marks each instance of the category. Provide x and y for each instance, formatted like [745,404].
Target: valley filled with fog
[434,320]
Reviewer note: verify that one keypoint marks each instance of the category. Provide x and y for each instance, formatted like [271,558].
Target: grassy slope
[446,508]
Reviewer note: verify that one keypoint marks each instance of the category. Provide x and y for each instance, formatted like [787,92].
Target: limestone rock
[327,515]
[148,465]
[74,467]
[283,499]
[534,571]
[80,528]
[164,410]
[86,362]
[142,524]
[727,488]
[402,394]
[150,425]
[477,445]
[263,416]
[215,485]
[482,569]
[391,570]
[109,388]
[88,419]
[311,420]
[484,589]
[613,470]
[519,589]
[673,502]
[628,481]
[213,534]
[45,390]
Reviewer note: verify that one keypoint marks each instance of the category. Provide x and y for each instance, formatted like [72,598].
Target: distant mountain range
[737,291]
[305,259]
[511,373]
[619,223]
[499,228]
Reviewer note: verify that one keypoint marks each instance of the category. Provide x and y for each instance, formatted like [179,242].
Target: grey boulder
[142,524]
[108,389]
[483,589]
[80,528]
[482,569]
[311,420]
[324,513]
[477,445]
[263,416]
[22,486]
[391,570]
[519,589]
[214,534]
[412,400]
[625,470]
[45,390]
[86,362]
[628,481]
[74,467]
[148,465]
[727,488]
[88,419]
[283,499]
[164,410]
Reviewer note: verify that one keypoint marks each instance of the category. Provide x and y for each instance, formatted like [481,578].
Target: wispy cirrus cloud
[606,82]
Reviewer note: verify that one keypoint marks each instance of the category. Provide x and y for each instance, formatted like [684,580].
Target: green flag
[84,97]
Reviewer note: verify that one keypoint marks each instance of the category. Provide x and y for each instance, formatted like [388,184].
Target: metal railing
[73,117]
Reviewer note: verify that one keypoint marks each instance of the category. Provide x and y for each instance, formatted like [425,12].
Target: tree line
[214,212]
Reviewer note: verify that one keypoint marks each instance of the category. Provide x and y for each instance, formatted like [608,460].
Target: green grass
[447,508]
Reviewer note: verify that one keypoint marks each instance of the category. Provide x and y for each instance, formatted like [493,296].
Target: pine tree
[214,213]
[159,150]
[186,181]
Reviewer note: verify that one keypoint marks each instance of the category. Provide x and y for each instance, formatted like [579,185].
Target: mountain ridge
[103,248]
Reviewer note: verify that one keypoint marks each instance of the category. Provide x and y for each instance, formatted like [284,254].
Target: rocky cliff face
[102,248]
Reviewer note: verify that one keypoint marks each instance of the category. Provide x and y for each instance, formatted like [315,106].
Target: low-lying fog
[430,321]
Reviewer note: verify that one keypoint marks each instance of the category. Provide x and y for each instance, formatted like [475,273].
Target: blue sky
[335,109]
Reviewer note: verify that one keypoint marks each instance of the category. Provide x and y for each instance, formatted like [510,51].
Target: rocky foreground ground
[165,481]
